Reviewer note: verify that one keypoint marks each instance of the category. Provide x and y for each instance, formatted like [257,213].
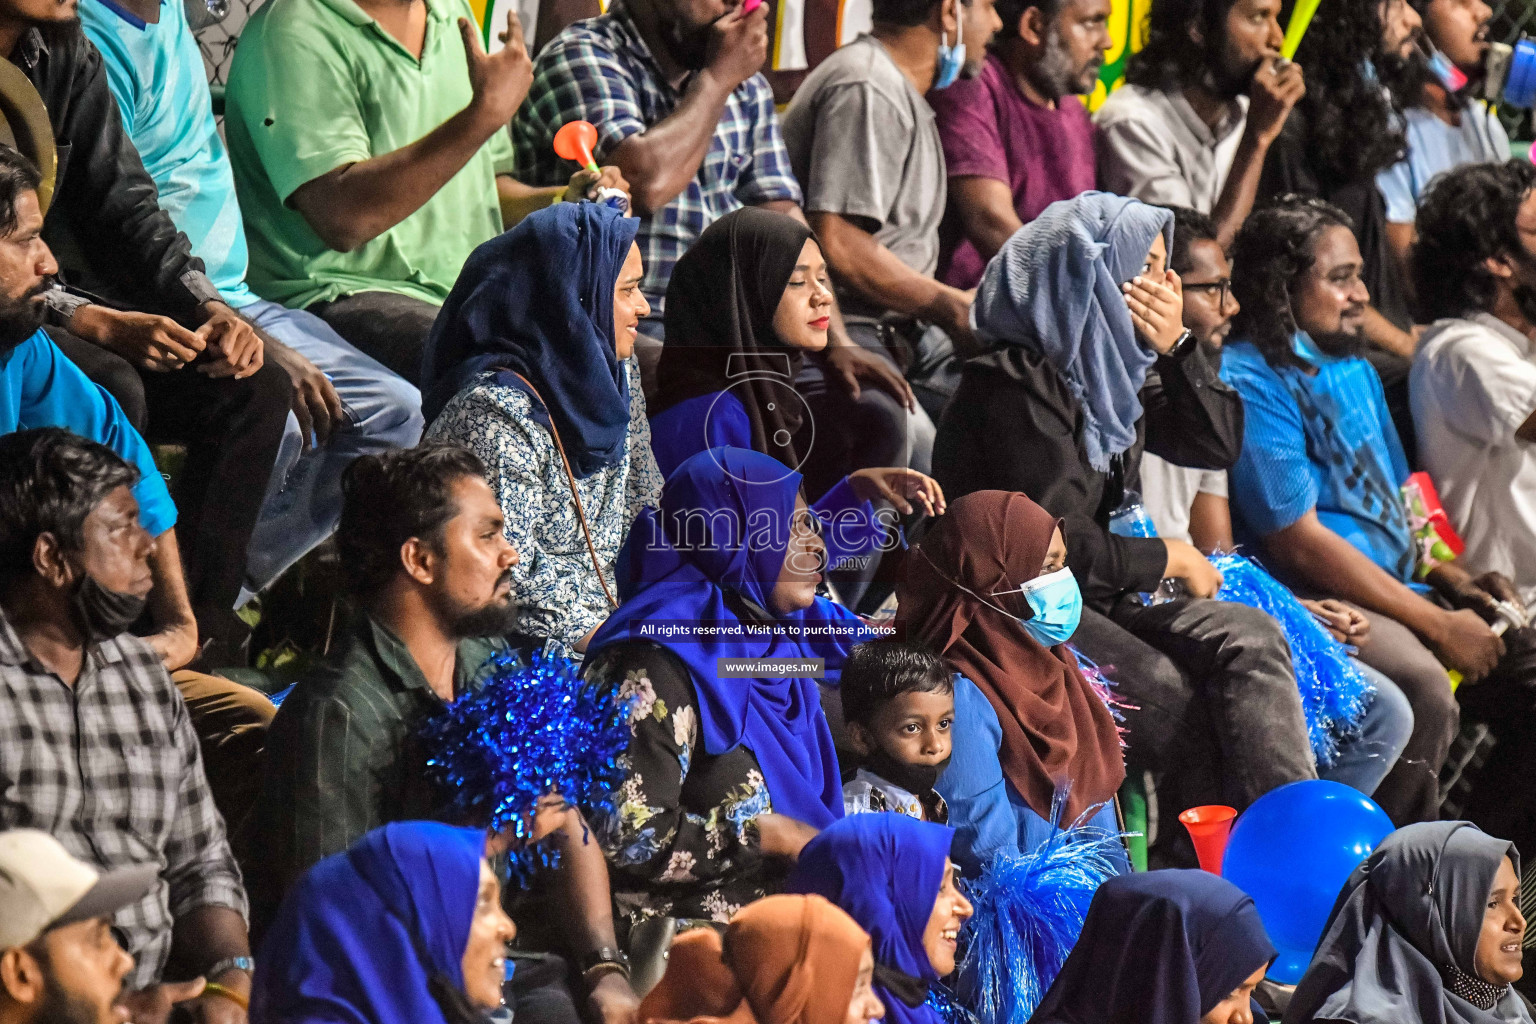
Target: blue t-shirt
[40,387]
[1435,147]
[156,74]
[1318,440]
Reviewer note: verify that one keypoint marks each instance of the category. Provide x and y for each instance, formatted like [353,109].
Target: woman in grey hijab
[1427,931]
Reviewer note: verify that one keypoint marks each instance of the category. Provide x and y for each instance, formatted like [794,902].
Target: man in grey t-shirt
[865,147]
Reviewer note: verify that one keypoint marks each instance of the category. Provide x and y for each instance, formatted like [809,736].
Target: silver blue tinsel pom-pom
[1334,694]
[1029,911]
[532,729]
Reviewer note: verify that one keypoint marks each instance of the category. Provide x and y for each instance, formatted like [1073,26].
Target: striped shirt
[1323,440]
[600,70]
[342,756]
[111,768]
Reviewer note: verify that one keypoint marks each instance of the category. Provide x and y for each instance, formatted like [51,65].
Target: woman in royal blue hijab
[726,777]
[893,876]
[531,366]
[404,927]
[1165,947]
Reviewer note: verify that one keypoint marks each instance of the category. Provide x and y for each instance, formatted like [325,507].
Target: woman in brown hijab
[989,591]
[785,960]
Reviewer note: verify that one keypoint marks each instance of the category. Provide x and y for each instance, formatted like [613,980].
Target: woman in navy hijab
[531,366]
[727,777]
[1166,947]
[404,926]
[893,876]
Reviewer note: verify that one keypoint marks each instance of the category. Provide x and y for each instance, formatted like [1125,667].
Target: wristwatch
[601,961]
[1183,346]
[231,963]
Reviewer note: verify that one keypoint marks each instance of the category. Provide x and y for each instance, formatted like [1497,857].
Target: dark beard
[690,47]
[1212,352]
[1225,77]
[492,619]
[1406,77]
[20,319]
[1525,298]
[1341,345]
[60,1007]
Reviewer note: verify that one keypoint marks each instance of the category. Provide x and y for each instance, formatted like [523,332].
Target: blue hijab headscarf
[1055,287]
[1159,948]
[723,528]
[361,936]
[538,301]
[885,870]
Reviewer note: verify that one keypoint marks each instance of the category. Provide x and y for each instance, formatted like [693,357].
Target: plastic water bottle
[1132,519]
[614,198]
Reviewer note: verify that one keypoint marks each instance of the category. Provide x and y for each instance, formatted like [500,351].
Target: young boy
[898,705]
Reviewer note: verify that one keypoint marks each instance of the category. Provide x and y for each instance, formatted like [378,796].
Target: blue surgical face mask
[951,62]
[1057,604]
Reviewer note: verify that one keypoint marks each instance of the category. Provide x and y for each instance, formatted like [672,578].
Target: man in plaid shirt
[95,744]
[677,99]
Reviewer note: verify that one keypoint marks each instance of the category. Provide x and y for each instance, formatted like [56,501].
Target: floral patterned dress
[559,596]
[682,841]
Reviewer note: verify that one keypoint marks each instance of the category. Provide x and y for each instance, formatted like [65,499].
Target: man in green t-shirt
[370,152]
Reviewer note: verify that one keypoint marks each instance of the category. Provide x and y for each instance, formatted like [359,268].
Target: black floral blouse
[682,840]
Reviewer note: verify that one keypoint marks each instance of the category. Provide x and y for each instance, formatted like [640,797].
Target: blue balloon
[1292,851]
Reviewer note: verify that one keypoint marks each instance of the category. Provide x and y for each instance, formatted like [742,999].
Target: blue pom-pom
[1029,911]
[533,729]
[1334,693]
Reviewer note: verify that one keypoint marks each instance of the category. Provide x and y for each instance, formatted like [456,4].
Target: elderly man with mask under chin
[96,745]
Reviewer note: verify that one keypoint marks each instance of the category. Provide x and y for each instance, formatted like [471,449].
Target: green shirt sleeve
[302,110]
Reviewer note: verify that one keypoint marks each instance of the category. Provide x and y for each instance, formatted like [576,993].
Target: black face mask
[104,613]
[916,779]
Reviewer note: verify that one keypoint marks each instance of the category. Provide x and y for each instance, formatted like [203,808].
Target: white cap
[43,887]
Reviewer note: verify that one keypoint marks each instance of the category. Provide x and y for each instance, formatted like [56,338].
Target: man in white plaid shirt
[95,744]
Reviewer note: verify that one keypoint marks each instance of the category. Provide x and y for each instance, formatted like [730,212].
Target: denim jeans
[303,500]
[1366,758]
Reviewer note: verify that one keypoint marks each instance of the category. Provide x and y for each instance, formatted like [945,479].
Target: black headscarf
[1158,948]
[1407,917]
[720,306]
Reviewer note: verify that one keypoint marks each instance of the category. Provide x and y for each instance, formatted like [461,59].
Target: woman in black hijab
[745,304]
[1427,931]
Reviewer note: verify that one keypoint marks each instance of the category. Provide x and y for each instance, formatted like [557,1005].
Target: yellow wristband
[213,988]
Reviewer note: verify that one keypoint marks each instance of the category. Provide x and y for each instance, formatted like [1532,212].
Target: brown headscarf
[1054,726]
[785,960]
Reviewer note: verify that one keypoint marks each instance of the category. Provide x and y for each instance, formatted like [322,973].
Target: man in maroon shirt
[1016,138]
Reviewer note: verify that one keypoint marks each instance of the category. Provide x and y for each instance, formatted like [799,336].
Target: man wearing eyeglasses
[1181,500]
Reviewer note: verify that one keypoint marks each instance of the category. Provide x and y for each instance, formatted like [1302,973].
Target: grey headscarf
[1055,286]
[1415,906]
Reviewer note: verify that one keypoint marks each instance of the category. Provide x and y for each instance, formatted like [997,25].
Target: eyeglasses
[1223,287]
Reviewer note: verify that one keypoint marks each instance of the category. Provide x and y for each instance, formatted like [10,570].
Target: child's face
[912,728]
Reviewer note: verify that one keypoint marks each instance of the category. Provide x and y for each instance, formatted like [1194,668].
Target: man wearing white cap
[59,962]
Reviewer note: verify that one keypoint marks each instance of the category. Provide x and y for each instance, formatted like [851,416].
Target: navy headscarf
[366,933]
[1159,948]
[723,529]
[885,870]
[1055,288]
[538,301]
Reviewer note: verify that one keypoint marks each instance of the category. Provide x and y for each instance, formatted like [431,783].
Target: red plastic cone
[1209,826]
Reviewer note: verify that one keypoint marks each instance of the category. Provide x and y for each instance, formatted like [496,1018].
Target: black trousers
[1503,797]
[1214,712]
[231,430]
[391,328]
